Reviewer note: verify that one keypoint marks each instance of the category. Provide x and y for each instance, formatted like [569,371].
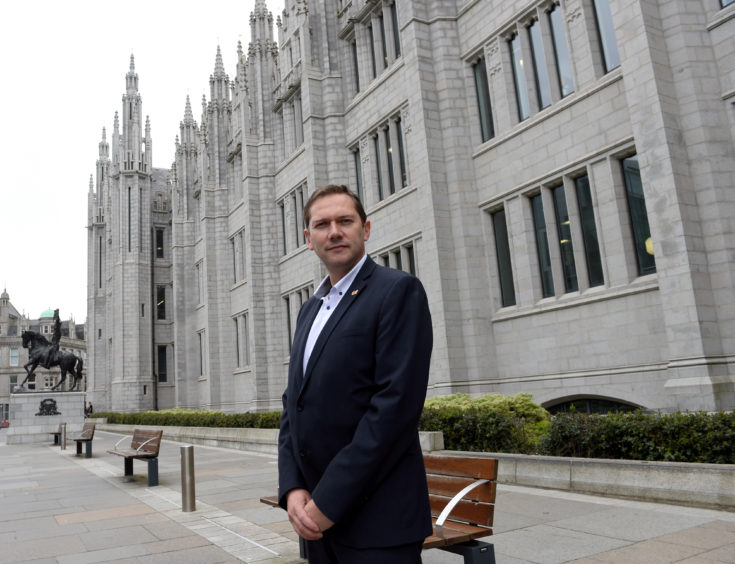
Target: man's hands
[306,518]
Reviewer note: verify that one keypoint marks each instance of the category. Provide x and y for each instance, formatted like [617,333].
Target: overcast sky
[63,70]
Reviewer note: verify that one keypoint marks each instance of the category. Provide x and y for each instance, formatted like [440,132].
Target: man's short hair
[333,189]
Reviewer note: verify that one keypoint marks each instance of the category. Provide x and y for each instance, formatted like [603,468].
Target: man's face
[336,234]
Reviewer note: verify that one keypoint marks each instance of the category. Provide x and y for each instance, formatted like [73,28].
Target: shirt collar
[344,283]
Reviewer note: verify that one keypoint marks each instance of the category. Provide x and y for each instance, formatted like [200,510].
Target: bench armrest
[452,503]
[121,440]
[145,443]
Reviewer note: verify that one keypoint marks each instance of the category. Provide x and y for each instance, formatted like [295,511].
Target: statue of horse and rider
[48,355]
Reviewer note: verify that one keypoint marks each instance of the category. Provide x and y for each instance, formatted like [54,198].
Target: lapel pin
[354,292]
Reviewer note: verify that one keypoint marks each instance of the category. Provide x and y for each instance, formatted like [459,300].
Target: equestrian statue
[40,351]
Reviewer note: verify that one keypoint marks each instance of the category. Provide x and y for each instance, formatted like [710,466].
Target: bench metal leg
[88,449]
[79,448]
[474,551]
[129,470]
[152,472]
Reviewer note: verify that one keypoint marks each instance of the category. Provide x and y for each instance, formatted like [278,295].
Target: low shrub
[680,437]
[195,418]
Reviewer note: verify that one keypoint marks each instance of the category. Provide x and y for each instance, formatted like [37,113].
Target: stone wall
[27,426]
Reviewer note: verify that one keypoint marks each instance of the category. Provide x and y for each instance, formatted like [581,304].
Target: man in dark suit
[351,472]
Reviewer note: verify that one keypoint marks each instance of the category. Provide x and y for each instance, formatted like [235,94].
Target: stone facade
[13,356]
[559,175]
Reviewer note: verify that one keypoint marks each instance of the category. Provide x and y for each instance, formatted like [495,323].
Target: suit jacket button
[300,407]
[302,453]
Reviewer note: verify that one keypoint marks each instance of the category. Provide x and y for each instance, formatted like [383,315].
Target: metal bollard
[63,436]
[188,496]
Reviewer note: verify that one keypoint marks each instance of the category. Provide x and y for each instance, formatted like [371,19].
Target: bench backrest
[448,475]
[140,436]
[88,431]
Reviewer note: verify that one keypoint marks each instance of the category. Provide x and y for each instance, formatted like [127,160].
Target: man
[55,338]
[351,471]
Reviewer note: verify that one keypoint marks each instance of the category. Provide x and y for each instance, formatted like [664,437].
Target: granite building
[559,174]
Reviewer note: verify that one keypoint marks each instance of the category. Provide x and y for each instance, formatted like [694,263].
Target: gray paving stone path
[57,508]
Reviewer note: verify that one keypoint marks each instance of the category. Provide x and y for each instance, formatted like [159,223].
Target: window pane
[607,35]
[356,72]
[411,260]
[162,366]
[539,65]
[396,31]
[372,51]
[161,302]
[566,249]
[502,251]
[358,172]
[379,176]
[542,246]
[519,78]
[401,153]
[638,216]
[726,2]
[389,155]
[589,231]
[159,243]
[483,99]
[561,52]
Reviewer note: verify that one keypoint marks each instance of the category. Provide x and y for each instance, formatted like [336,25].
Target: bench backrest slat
[88,431]
[448,475]
[140,436]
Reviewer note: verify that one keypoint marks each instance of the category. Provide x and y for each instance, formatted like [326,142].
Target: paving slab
[59,508]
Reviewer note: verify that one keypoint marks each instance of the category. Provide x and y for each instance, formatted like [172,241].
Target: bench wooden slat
[450,485]
[476,468]
[454,533]
[465,511]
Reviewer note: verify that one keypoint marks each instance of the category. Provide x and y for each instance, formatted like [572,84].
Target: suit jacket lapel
[345,303]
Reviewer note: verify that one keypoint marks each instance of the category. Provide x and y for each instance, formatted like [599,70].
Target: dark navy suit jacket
[349,426]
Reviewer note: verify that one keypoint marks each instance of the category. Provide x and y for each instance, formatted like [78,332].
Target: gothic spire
[188,115]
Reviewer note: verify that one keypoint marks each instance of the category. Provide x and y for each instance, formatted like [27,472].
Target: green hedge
[515,424]
[681,437]
[491,423]
[196,418]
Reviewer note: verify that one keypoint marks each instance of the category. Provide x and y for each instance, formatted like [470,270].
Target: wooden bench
[462,497]
[144,445]
[57,434]
[85,437]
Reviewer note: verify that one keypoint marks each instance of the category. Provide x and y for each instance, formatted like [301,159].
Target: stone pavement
[57,508]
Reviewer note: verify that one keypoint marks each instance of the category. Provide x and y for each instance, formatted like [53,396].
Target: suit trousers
[326,551]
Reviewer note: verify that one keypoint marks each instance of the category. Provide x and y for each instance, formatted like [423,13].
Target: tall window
[542,246]
[355,68]
[564,232]
[284,241]
[298,121]
[358,172]
[383,48]
[401,153]
[502,252]
[389,159]
[638,216]
[543,88]
[519,78]
[561,51]
[162,364]
[289,332]
[379,172]
[589,231]
[200,336]
[242,332]
[606,31]
[483,99]
[160,302]
[199,274]
[396,29]
[13,356]
[159,243]
[372,51]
